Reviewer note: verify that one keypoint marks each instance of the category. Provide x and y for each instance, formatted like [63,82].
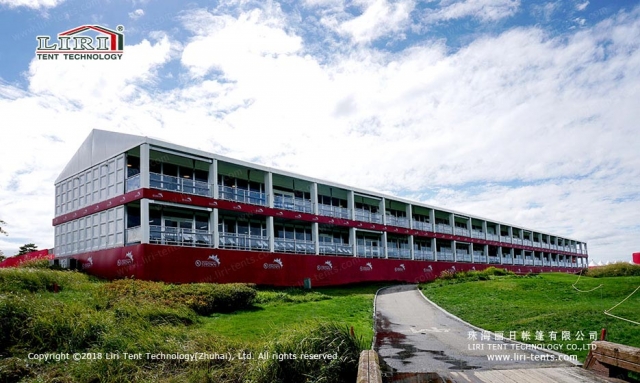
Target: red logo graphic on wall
[128,260]
[75,44]
[275,265]
[212,261]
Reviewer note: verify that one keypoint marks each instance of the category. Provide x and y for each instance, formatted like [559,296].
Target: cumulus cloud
[379,18]
[33,4]
[483,10]
[521,126]
[135,15]
[582,6]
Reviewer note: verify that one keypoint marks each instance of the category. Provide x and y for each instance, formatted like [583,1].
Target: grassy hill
[136,331]
[545,303]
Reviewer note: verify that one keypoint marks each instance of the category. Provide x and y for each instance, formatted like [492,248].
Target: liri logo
[74,44]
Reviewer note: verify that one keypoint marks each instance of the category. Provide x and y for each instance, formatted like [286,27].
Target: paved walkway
[415,336]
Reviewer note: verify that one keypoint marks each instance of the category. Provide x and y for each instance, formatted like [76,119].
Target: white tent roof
[98,147]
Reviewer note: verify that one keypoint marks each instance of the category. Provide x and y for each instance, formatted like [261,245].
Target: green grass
[281,309]
[88,315]
[546,303]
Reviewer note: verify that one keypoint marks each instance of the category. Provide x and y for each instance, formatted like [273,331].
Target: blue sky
[524,112]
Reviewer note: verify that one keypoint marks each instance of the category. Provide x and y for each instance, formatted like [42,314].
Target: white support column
[470,226]
[471,251]
[268,189]
[383,213]
[434,248]
[144,220]
[352,241]
[452,223]
[432,219]
[314,198]
[351,205]
[499,231]
[512,254]
[500,254]
[213,180]
[385,244]
[486,252]
[453,247]
[214,228]
[410,218]
[510,233]
[315,236]
[270,233]
[484,230]
[144,167]
[411,249]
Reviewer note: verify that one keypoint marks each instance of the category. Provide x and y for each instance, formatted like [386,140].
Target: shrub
[327,338]
[35,264]
[619,269]
[447,275]
[40,280]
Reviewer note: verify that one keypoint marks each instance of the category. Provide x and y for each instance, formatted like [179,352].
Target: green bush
[328,338]
[289,295]
[35,264]
[39,279]
[619,269]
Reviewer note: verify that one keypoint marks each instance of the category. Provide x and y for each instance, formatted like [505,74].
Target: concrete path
[415,336]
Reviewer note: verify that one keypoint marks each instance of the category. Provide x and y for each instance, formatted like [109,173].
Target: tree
[29,247]
[2,257]
[2,231]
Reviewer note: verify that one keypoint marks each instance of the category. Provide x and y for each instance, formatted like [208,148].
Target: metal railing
[443,228]
[243,242]
[180,237]
[493,237]
[420,225]
[478,256]
[527,242]
[477,234]
[425,254]
[286,245]
[132,183]
[505,238]
[242,195]
[463,256]
[494,260]
[517,241]
[397,221]
[369,251]
[293,203]
[445,255]
[134,234]
[367,216]
[462,231]
[518,261]
[334,211]
[182,185]
[397,252]
[335,248]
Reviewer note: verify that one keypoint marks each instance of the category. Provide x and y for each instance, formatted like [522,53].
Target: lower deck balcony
[445,255]
[494,260]
[369,251]
[180,237]
[243,242]
[425,254]
[336,249]
[479,257]
[286,245]
[400,253]
[463,256]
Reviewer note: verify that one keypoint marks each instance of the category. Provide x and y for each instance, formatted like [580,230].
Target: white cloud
[135,15]
[33,4]
[582,6]
[484,10]
[557,114]
[379,18]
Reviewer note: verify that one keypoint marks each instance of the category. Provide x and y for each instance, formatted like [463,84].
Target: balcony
[425,254]
[367,216]
[443,228]
[336,248]
[479,257]
[369,251]
[242,195]
[461,231]
[478,234]
[396,252]
[528,261]
[518,261]
[334,211]
[134,235]
[494,260]
[243,242]
[463,256]
[517,241]
[505,238]
[284,245]
[493,237]
[527,242]
[180,237]
[445,255]
[132,183]
[419,225]
[292,203]
[397,221]
[182,185]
